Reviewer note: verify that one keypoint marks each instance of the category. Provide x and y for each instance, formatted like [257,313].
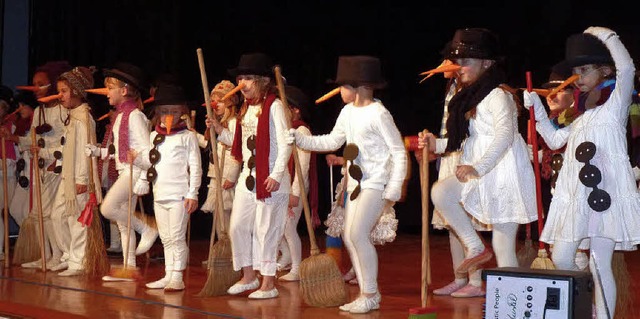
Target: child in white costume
[261,198]
[7,127]
[73,193]
[173,166]
[596,196]
[376,173]
[226,113]
[130,131]
[483,124]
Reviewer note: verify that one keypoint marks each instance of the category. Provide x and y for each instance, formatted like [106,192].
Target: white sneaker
[147,239]
[71,272]
[261,294]
[158,284]
[115,249]
[366,304]
[60,266]
[174,285]
[291,276]
[239,288]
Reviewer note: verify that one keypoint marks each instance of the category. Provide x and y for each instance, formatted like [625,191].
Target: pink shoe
[468,291]
[448,289]
[475,261]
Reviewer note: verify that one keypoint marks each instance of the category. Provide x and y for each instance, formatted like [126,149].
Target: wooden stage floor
[26,293]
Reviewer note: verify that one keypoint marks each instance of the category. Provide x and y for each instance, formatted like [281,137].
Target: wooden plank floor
[26,293]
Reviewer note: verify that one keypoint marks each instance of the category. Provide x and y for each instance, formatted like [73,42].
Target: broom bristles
[321,282]
[126,273]
[624,300]
[542,261]
[220,276]
[27,247]
[96,261]
[527,254]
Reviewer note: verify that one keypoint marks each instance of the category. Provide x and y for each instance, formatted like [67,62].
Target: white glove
[141,187]
[91,150]
[636,173]
[290,136]
[532,98]
[601,33]
[391,193]
[530,149]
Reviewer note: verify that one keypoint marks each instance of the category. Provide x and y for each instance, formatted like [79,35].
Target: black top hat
[298,99]
[169,94]
[128,73]
[559,73]
[253,64]
[359,70]
[475,43]
[584,48]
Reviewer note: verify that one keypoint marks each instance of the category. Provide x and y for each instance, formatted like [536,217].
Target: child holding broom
[173,166]
[73,194]
[261,198]
[130,130]
[596,196]
[376,171]
[482,124]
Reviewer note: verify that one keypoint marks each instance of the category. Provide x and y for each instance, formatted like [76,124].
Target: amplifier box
[537,293]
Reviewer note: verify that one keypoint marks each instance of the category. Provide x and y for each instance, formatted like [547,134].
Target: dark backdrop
[306,38]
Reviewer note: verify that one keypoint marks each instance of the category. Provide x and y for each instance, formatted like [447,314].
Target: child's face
[170,111]
[116,94]
[560,101]
[253,85]
[348,93]
[471,69]
[220,105]
[68,99]
[590,77]
[41,80]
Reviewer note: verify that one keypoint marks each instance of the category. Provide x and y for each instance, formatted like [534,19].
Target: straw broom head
[27,247]
[321,282]
[96,261]
[542,261]
[221,275]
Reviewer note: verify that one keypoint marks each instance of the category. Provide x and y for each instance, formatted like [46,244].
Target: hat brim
[126,78]
[584,60]
[374,85]
[250,71]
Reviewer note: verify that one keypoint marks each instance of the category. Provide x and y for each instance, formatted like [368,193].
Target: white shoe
[174,285]
[60,266]
[71,272]
[239,288]
[366,304]
[291,276]
[282,267]
[261,294]
[158,284]
[32,264]
[582,260]
[348,306]
[115,249]
[114,279]
[147,239]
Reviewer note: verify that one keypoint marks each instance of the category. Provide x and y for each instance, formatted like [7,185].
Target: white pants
[115,207]
[361,215]
[70,235]
[256,228]
[291,245]
[11,186]
[49,185]
[172,218]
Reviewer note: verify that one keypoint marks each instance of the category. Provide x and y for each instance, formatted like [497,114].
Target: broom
[125,273]
[27,247]
[321,281]
[527,253]
[96,262]
[424,312]
[39,203]
[5,211]
[220,275]
[542,261]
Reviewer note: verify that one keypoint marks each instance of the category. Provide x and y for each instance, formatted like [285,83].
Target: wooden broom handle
[34,145]
[296,160]
[424,192]
[536,162]
[129,213]
[5,212]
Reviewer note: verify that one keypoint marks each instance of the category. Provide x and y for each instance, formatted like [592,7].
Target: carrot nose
[100,91]
[104,116]
[168,123]
[149,100]
[234,91]
[49,98]
[214,104]
[30,88]
[444,67]
[328,95]
[564,84]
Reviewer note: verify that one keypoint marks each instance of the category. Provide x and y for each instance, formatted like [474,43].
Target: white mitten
[91,150]
[532,98]
[290,136]
[141,187]
[601,33]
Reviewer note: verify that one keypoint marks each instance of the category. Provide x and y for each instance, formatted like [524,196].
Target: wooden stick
[6,204]
[536,162]
[39,201]
[426,262]
[125,264]
[303,193]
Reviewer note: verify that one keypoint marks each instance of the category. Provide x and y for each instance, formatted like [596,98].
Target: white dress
[570,217]
[505,191]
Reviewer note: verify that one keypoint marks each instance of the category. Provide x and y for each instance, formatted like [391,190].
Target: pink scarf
[123,143]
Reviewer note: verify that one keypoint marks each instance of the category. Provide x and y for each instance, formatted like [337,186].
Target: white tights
[601,254]
[457,256]
[361,215]
[291,244]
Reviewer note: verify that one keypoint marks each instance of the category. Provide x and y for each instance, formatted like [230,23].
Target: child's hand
[81,189]
[190,205]
[131,155]
[293,201]
[228,184]
[425,139]
[465,172]
[271,185]
[333,159]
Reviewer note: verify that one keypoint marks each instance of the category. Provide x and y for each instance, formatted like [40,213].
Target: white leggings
[446,195]
[172,218]
[601,253]
[457,256]
[361,215]
[291,244]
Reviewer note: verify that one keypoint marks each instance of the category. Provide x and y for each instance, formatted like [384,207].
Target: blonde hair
[264,85]
[132,92]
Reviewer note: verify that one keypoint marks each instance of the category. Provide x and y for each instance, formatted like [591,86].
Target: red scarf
[176,129]
[262,146]
[123,133]
[112,173]
[8,145]
[313,178]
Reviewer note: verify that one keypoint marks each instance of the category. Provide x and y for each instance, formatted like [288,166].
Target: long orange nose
[100,91]
[168,123]
[328,95]
[564,84]
[30,88]
[445,67]
[234,91]
[50,98]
